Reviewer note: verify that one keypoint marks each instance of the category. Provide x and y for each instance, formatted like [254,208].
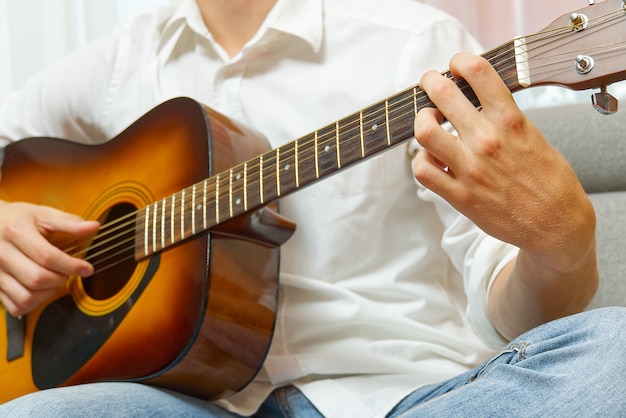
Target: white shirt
[383,285]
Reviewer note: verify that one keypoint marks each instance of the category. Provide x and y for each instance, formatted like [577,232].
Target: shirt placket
[227,89]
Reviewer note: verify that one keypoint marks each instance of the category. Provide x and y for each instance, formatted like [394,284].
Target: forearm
[528,292]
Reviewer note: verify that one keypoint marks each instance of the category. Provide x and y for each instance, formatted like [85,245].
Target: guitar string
[268,161]
[331,137]
[111,229]
[288,154]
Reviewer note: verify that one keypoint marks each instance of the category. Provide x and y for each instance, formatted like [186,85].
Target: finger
[42,252]
[451,102]
[53,220]
[428,171]
[444,147]
[490,89]
[50,220]
[19,300]
[27,272]
[28,239]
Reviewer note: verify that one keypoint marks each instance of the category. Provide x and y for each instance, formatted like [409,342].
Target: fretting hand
[504,175]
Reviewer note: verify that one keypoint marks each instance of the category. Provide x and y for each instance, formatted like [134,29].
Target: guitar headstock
[581,50]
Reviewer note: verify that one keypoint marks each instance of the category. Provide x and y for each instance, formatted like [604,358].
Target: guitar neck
[338,145]
[290,167]
[580,50]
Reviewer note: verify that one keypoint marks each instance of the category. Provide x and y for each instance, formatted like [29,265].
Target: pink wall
[496,21]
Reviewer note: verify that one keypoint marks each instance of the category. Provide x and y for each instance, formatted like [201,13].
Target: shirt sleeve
[479,257]
[476,255]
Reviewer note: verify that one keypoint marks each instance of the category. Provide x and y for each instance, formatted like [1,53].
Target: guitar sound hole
[112,253]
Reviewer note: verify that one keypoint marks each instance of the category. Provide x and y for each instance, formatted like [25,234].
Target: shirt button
[233,70]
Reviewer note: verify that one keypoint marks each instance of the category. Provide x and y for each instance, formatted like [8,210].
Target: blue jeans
[575,366]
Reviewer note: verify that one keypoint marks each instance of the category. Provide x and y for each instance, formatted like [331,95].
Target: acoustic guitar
[184,295]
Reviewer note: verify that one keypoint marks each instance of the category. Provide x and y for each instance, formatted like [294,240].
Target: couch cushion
[594,144]
[611,237]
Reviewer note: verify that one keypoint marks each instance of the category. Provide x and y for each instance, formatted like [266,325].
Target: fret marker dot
[287,167]
[198,207]
[238,177]
[326,148]
[238,202]
[374,127]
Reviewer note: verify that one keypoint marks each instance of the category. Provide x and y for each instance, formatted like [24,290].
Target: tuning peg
[604,102]
[578,21]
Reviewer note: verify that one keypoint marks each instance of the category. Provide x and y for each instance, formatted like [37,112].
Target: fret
[351,140]
[423,101]
[269,174]
[277,167]
[337,144]
[261,190]
[287,169]
[230,193]
[173,220]
[211,202]
[296,162]
[511,61]
[217,199]
[401,117]
[204,204]
[462,85]
[163,209]
[373,132]
[155,217]
[361,139]
[223,197]
[198,207]
[182,214]
[387,128]
[317,160]
[245,186]
[190,210]
[253,183]
[236,191]
[415,108]
[193,210]
[306,169]
[326,151]
[146,231]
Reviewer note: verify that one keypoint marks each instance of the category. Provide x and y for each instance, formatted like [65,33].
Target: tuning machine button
[584,64]
[604,102]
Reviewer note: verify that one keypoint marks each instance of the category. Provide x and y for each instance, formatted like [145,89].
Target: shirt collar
[186,12]
[299,18]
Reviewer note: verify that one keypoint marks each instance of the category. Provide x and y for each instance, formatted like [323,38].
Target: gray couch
[595,145]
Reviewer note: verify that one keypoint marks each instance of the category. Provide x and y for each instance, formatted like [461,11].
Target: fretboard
[297,164]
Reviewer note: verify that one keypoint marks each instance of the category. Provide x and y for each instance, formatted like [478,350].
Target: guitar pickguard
[65,338]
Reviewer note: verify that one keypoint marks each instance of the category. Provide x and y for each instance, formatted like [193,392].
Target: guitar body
[197,317]
[194,311]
